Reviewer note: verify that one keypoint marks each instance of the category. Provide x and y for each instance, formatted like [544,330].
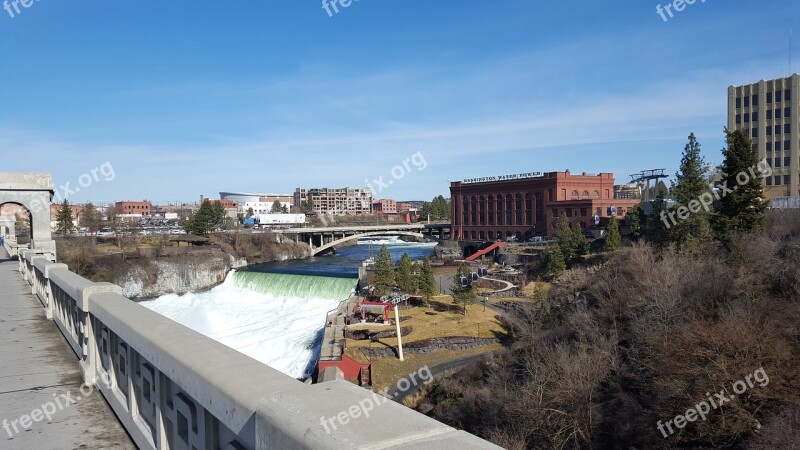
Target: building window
[787,112]
[769,97]
[778,96]
[787,129]
[569,212]
[769,130]
[755,100]
[787,180]
[746,102]
[575,195]
[788,94]
[555,213]
[491,210]
[585,195]
[777,162]
[755,132]
[787,161]
[777,130]
[738,102]
[528,209]
[778,113]
[777,181]
[769,144]
[747,117]
[755,116]
[787,145]
[738,119]
[769,114]
[769,181]
[595,194]
[584,212]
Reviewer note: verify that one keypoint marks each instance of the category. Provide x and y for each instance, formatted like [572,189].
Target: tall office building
[769,112]
[336,201]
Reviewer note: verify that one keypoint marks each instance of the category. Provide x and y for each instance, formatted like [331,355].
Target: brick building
[527,205]
[385,206]
[143,208]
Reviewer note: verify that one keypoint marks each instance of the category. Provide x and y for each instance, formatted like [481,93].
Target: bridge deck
[37,369]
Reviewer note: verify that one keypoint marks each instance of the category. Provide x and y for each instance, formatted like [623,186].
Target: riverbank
[147,266]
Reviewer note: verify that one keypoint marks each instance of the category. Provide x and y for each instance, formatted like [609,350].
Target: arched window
[509,209]
[474,211]
[585,195]
[501,215]
[491,210]
[575,195]
[595,194]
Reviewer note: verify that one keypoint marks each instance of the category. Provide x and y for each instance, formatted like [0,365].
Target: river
[275,313]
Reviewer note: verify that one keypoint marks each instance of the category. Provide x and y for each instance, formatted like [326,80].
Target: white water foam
[278,331]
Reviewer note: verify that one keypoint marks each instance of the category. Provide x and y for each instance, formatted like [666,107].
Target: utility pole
[399,335]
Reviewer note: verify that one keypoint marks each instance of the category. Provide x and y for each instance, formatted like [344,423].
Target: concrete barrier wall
[173,388]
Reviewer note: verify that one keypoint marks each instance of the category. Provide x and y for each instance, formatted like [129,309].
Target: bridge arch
[33,192]
[333,244]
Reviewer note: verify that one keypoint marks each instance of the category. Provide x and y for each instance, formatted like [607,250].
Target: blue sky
[185,98]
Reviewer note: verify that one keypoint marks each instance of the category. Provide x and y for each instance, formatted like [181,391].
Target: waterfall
[297,286]
[274,318]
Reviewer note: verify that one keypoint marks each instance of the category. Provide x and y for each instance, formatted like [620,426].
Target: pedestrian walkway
[40,377]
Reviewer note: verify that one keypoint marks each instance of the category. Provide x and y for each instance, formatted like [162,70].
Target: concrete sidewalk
[38,372]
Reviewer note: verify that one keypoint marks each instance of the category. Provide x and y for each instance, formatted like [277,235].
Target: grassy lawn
[441,319]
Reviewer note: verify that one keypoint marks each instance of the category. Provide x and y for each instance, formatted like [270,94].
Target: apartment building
[768,111]
[337,201]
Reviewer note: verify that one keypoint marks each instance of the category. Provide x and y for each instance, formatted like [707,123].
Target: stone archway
[8,229]
[34,192]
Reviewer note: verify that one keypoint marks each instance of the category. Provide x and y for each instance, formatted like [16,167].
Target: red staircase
[486,251]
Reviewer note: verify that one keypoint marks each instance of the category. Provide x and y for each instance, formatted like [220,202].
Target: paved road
[38,367]
[395,394]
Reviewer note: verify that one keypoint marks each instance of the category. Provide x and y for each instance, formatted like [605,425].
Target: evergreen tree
[218,215]
[742,206]
[250,213]
[405,275]
[552,262]
[277,207]
[384,271]
[657,225]
[64,224]
[205,219]
[464,296]
[613,238]
[635,221]
[564,238]
[437,209]
[690,186]
[571,242]
[426,283]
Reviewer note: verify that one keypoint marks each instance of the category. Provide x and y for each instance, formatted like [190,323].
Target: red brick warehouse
[526,205]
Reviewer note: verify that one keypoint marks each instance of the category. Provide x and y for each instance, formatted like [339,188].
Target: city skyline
[292,96]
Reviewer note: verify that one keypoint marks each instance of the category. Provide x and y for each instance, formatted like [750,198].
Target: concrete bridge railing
[173,388]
